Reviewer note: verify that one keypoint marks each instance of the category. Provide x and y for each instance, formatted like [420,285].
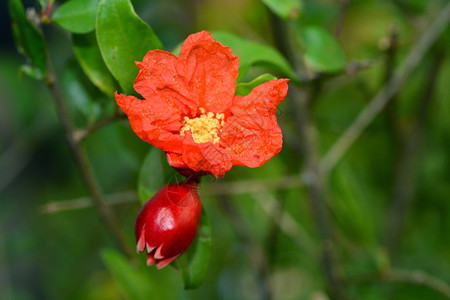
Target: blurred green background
[265,243]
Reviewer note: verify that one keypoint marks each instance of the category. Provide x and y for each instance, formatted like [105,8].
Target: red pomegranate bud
[167,224]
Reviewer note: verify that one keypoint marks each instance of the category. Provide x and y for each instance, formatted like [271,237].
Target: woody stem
[313,178]
[105,212]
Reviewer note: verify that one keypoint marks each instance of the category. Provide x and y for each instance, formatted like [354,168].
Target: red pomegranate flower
[167,223]
[190,110]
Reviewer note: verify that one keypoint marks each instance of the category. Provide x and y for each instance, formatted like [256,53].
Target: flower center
[205,128]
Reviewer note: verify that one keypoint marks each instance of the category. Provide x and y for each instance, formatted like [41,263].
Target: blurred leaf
[243,89]
[123,39]
[77,16]
[193,264]
[322,52]
[151,175]
[31,72]
[286,9]
[135,283]
[77,91]
[29,40]
[253,53]
[88,54]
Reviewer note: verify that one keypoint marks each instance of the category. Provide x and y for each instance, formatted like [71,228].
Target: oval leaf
[322,52]
[77,16]
[243,89]
[88,55]
[253,53]
[193,264]
[286,9]
[151,175]
[123,38]
[29,40]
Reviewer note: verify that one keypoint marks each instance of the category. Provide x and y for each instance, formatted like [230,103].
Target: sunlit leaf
[88,54]
[77,16]
[123,38]
[244,89]
[29,40]
[151,175]
[322,52]
[193,264]
[286,9]
[253,53]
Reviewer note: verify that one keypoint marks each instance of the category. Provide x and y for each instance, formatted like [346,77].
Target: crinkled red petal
[153,121]
[262,100]
[251,140]
[205,157]
[158,80]
[210,70]
[252,136]
[175,160]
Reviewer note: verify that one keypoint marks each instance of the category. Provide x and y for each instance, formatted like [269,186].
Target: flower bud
[167,224]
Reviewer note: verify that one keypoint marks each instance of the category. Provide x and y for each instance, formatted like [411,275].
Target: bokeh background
[266,243]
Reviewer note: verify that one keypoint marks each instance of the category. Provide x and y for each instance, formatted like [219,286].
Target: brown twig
[105,213]
[252,186]
[414,277]
[313,179]
[405,170]
[418,278]
[413,59]
[80,135]
[315,184]
[342,13]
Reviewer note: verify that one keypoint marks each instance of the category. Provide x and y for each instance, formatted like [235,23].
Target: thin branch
[406,165]
[314,182]
[285,222]
[80,135]
[414,277]
[342,13]
[105,212]
[214,189]
[385,94]
[252,186]
[418,278]
[312,177]
[86,202]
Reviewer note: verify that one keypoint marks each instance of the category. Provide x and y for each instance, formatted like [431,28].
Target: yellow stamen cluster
[205,128]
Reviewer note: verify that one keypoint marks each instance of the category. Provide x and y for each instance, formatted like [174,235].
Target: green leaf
[77,16]
[29,40]
[322,52]
[193,264]
[286,9]
[253,53]
[137,283]
[151,175]
[88,54]
[243,89]
[123,39]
